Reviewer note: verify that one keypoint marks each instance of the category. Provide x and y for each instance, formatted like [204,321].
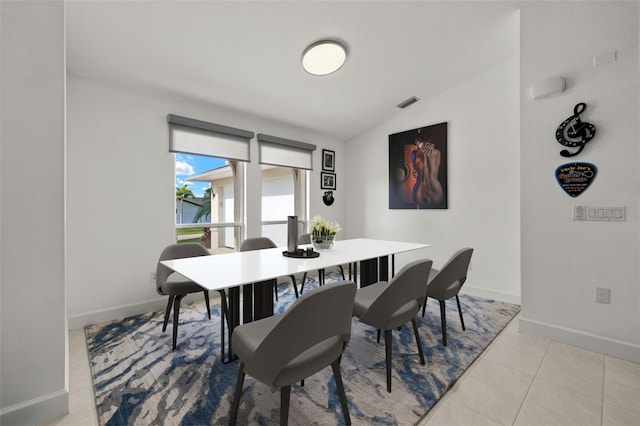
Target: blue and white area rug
[138,380]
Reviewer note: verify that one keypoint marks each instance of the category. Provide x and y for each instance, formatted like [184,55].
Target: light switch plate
[598,214]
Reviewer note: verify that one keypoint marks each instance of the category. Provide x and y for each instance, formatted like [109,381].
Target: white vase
[324,242]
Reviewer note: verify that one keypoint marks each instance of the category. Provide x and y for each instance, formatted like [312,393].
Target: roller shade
[285,152]
[192,136]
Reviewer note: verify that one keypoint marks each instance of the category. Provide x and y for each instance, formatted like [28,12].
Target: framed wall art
[328,160]
[327,180]
[418,168]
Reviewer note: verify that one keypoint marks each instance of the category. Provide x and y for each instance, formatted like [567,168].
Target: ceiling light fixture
[324,57]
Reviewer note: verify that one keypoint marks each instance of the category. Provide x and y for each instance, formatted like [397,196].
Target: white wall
[33,336]
[117,154]
[483,170]
[563,261]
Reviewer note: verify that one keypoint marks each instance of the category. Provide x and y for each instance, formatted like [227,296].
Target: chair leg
[167,313]
[415,331]
[285,393]
[293,282]
[304,278]
[341,272]
[460,311]
[340,387]
[424,307]
[233,416]
[176,314]
[443,320]
[387,347]
[275,290]
[206,299]
[378,339]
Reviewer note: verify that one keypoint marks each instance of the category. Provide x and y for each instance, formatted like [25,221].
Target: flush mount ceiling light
[324,57]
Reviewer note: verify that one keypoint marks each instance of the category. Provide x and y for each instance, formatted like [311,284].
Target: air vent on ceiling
[404,104]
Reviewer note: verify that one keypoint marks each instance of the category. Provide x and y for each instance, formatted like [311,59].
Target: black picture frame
[328,160]
[327,180]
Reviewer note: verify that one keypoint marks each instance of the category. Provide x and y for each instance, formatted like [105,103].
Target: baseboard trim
[36,411]
[122,311]
[592,342]
[117,312]
[491,294]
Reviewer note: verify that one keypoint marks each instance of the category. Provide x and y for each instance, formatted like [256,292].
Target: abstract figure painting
[418,168]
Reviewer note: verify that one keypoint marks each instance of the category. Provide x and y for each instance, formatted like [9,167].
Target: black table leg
[393,265]
[232,313]
[374,270]
[247,303]
[383,274]
[263,299]
[368,272]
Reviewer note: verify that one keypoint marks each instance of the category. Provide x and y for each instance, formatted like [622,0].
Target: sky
[188,165]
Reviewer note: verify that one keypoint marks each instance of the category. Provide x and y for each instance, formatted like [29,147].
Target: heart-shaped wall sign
[575,178]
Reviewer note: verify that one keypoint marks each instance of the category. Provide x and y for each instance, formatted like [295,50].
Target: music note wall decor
[573,132]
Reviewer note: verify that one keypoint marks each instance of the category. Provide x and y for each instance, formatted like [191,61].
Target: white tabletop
[222,271]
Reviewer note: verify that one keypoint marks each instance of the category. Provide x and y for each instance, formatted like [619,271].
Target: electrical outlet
[152,277]
[603,295]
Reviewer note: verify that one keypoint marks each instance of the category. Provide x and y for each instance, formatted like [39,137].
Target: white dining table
[223,271]
[256,271]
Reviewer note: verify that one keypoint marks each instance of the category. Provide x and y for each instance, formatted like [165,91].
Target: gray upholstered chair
[388,305]
[259,243]
[176,286]
[285,349]
[446,283]
[306,239]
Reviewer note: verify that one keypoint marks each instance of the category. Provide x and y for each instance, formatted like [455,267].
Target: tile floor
[518,380]
[526,380]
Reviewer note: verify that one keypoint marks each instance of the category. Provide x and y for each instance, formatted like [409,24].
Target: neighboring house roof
[212,175]
[193,201]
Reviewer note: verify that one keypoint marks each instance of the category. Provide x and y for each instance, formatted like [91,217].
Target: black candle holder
[307,253]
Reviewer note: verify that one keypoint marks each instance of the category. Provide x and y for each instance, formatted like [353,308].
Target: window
[209,171]
[284,193]
[206,190]
[285,164]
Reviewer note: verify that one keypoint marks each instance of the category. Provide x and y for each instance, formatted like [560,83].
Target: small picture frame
[327,180]
[328,160]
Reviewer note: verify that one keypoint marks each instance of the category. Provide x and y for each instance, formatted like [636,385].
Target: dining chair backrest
[176,251]
[452,276]
[320,319]
[257,243]
[304,238]
[405,287]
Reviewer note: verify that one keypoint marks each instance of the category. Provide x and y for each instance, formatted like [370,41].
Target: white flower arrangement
[322,228]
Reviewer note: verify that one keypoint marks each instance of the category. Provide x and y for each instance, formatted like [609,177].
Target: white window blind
[203,138]
[285,152]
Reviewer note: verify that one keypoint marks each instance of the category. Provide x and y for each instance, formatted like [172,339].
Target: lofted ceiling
[246,55]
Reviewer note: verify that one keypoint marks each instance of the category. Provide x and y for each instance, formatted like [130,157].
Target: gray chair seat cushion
[444,293]
[178,284]
[310,361]
[365,296]
[248,337]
